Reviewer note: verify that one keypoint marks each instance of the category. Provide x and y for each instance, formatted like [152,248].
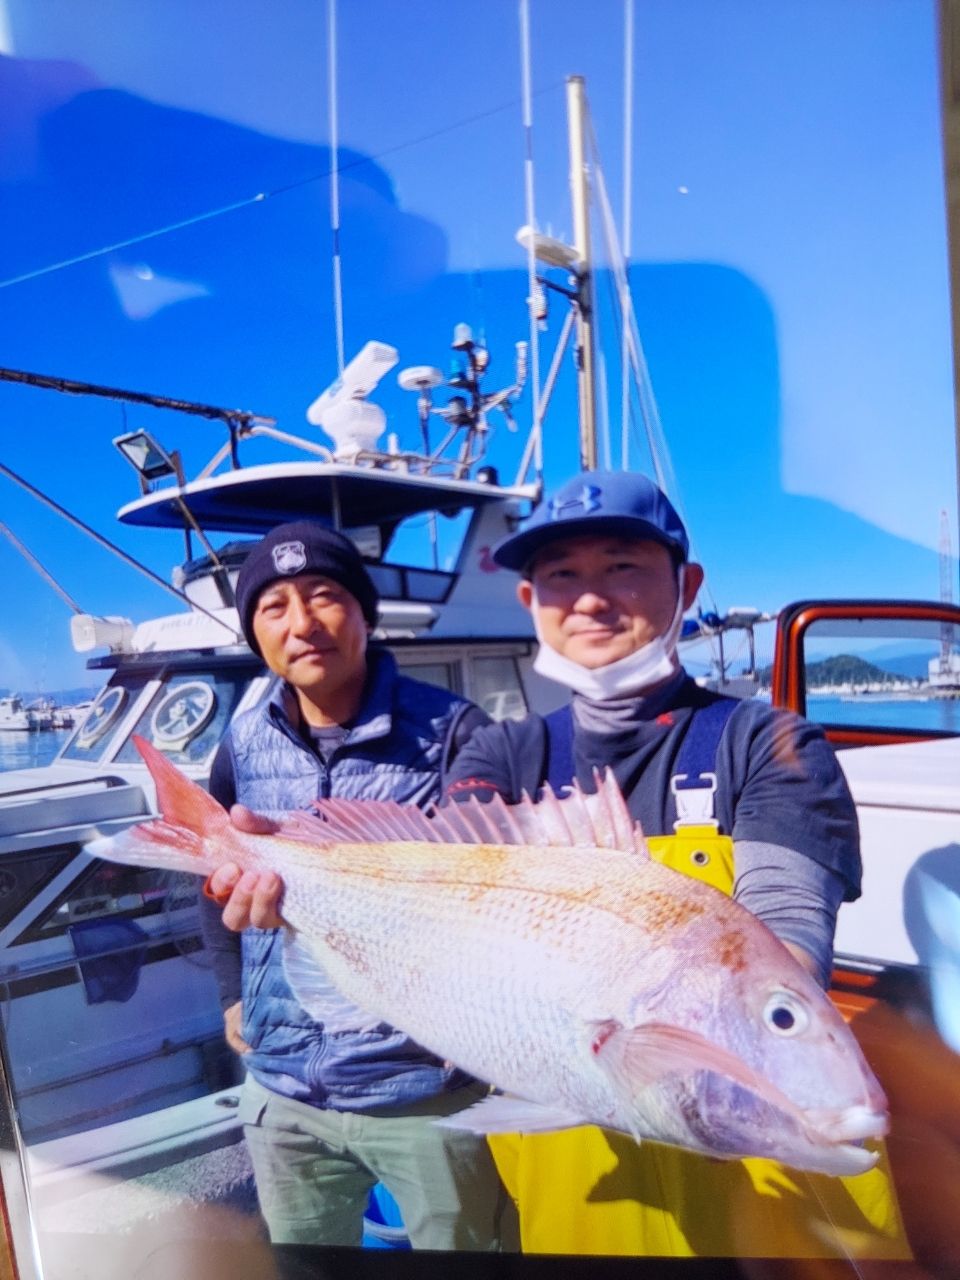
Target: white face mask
[647,666]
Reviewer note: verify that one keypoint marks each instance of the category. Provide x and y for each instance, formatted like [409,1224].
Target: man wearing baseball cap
[744,796]
[328,1115]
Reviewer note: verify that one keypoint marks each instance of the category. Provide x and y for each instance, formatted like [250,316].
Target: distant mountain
[913,666]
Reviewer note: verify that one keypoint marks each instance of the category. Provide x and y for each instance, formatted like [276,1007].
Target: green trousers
[314,1170]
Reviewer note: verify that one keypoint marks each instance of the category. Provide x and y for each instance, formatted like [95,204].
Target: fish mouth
[729,1120]
[851,1124]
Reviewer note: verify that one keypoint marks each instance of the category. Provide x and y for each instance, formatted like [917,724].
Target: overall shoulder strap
[561,769]
[695,780]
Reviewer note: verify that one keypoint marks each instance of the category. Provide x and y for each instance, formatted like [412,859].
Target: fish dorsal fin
[574,820]
[182,802]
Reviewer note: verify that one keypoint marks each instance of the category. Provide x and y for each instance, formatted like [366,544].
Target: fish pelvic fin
[182,802]
[600,820]
[502,1113]
[316,992]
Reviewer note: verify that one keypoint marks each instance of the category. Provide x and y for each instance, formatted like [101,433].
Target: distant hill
[844,668]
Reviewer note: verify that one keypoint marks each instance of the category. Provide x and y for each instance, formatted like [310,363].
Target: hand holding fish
[254,899]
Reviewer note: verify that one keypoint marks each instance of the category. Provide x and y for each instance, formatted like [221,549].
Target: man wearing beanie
[326,1116]
[744,796]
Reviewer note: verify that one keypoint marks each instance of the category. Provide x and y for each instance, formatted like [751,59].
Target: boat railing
[100,782]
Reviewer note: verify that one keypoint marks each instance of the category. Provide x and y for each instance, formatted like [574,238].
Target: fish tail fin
[156,844]
[182,802]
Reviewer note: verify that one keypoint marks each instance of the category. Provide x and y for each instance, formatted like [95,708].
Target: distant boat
[68,717]
[41,713]
[13,715]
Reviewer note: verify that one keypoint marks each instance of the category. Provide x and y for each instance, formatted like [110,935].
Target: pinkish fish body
[541,949]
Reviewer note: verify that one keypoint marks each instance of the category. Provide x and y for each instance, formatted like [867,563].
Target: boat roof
[255,499]
[905,775]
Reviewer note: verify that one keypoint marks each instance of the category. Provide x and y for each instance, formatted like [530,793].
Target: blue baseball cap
[623,503]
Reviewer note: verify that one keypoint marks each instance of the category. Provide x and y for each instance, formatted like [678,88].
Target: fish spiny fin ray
[573,820]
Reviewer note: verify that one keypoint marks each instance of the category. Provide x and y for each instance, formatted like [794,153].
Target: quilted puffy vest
[393,751]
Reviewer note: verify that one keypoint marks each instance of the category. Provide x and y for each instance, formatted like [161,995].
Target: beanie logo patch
[289,557]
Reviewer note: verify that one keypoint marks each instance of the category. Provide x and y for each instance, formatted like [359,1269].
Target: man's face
[312,632]
[598,599]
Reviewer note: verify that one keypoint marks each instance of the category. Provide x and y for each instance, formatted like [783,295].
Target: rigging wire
[105,542]
[649,412]
[651,418]
[627,218]
[530,211]
[335,177]
[603,393]
[35,564]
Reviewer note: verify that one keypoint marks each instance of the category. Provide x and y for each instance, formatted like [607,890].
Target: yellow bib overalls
[592,1191]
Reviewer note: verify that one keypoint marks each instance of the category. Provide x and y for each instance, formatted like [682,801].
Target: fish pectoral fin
[503,1113]
[318,994]
[639,1056]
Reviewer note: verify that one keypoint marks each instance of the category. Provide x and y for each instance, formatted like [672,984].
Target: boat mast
[580,198]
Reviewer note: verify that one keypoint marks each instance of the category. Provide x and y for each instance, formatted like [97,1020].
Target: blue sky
[788,257]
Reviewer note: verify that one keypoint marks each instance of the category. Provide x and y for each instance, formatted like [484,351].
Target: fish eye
[784,1015]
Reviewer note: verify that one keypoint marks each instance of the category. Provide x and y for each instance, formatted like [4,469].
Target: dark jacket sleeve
[508,759]
[222,944]
[791,790]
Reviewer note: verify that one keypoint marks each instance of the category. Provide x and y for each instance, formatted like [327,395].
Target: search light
[148,458]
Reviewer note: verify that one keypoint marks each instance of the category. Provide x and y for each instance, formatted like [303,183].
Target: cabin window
[497,688]
[110,890]
[187,716]
[444,674]
[23,878]
[96,730]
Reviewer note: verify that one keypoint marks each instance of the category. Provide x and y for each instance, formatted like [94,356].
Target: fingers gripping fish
[539,947]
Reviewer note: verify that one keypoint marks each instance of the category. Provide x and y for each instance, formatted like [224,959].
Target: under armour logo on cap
[586,502]
[289,557]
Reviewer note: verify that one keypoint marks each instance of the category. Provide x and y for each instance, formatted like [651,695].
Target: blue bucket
[382,1224]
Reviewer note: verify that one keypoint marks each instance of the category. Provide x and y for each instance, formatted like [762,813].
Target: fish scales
[415,908]
[562,965]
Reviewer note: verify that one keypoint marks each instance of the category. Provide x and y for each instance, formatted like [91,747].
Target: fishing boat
[119,1094]
[14,717]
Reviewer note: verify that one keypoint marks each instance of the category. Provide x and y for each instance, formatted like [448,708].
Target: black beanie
[303,546]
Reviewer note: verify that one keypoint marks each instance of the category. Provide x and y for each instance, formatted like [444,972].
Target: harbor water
[27,750]
[869,710]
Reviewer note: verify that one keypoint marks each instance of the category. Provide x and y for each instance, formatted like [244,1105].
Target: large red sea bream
[540,948]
